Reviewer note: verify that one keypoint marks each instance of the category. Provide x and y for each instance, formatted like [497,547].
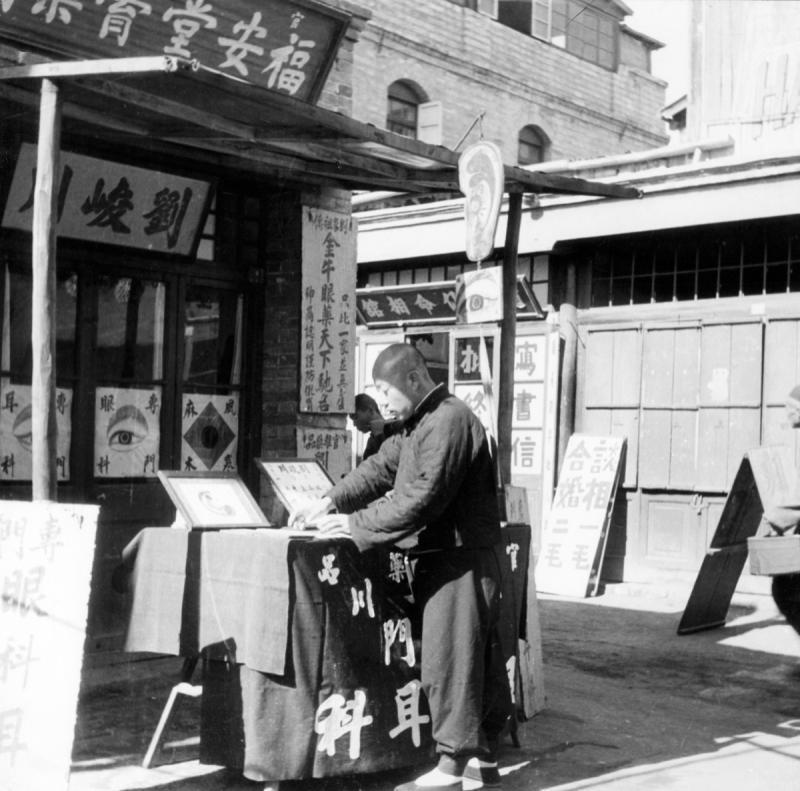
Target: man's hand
[334,526]
[310,513]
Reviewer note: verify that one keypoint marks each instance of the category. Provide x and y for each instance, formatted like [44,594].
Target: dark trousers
[463,673]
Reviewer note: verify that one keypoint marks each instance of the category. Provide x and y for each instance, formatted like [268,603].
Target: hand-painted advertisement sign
[328,326]
[287,47]
[113,203]
[574,536]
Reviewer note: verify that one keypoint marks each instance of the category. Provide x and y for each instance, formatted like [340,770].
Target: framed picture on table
[212,500]
[296,481]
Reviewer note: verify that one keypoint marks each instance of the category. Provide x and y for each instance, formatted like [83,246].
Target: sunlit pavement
[630,705]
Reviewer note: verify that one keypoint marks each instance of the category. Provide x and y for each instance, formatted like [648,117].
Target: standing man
[367,419]
[444,515]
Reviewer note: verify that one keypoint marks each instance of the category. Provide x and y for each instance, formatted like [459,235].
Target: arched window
[403,102]
[532,145]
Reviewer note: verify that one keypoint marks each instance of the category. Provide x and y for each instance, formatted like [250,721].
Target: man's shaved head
[402,379]
[395,362]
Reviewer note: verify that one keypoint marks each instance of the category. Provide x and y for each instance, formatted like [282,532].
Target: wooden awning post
[508,333]
[44,432]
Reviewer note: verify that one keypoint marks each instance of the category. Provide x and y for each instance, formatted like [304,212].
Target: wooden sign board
[766,478]
[517,512]
[46,555]
[287,47]
[574,536]
[296,481]
[114,203]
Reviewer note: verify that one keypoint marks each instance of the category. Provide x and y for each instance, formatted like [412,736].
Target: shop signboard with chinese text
[327,320]
[113,203]
[46,554]
[574,536]
[433,303]
[424,303]
[287,47]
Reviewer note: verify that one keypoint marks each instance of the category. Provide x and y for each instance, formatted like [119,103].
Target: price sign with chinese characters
[574,536]
[287,47]
[101,201]
[328,323]
[46,552]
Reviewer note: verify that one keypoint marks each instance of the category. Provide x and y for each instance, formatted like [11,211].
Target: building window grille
[763,258]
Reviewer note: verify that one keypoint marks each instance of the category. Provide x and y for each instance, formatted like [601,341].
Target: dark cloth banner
[349,699]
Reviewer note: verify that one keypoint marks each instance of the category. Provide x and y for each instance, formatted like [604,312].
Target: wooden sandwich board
[766,478]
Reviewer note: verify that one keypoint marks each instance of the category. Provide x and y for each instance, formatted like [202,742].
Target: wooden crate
[774,555]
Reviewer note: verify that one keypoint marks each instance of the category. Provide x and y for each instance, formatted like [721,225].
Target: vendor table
[310,650]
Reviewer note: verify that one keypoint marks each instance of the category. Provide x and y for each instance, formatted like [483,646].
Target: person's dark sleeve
[369,481]
[444,448]
[372,447]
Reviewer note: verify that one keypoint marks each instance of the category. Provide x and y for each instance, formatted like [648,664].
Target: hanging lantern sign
[480,178]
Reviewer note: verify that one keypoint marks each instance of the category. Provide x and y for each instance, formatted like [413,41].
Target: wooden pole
[568,322]
[508,333]
[43,384]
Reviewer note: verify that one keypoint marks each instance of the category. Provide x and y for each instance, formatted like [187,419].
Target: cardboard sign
[332,448]
[296,481]
[480,178]
[479,296]
[46,554]
[574,536]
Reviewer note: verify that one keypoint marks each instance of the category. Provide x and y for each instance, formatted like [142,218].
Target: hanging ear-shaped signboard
[480,178]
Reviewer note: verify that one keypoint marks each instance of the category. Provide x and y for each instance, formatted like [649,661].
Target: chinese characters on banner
[283,46]
[327,319]
[46,553]
[16,462]
[574,536]
[421,303]
[209,432]
[127,432]
[468,379]
[330,447]
[100,201]
[528,415]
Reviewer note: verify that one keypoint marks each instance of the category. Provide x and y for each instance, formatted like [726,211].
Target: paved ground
[631,706]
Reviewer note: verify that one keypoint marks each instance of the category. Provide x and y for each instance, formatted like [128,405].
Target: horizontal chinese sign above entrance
[113,203]
[284,46]
[426,303]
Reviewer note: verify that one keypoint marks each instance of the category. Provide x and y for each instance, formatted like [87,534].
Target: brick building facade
[448,54]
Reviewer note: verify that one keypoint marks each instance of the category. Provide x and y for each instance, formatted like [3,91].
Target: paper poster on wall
[330,447]
[127,432]
[46,554]
[209,432]
[328,319]
[574,536]
[16,461]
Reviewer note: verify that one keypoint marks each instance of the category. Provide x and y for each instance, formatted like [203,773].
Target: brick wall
[472,63]
[280,377]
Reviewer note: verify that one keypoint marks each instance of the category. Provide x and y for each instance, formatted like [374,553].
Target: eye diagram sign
[46,553]
[574,536]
